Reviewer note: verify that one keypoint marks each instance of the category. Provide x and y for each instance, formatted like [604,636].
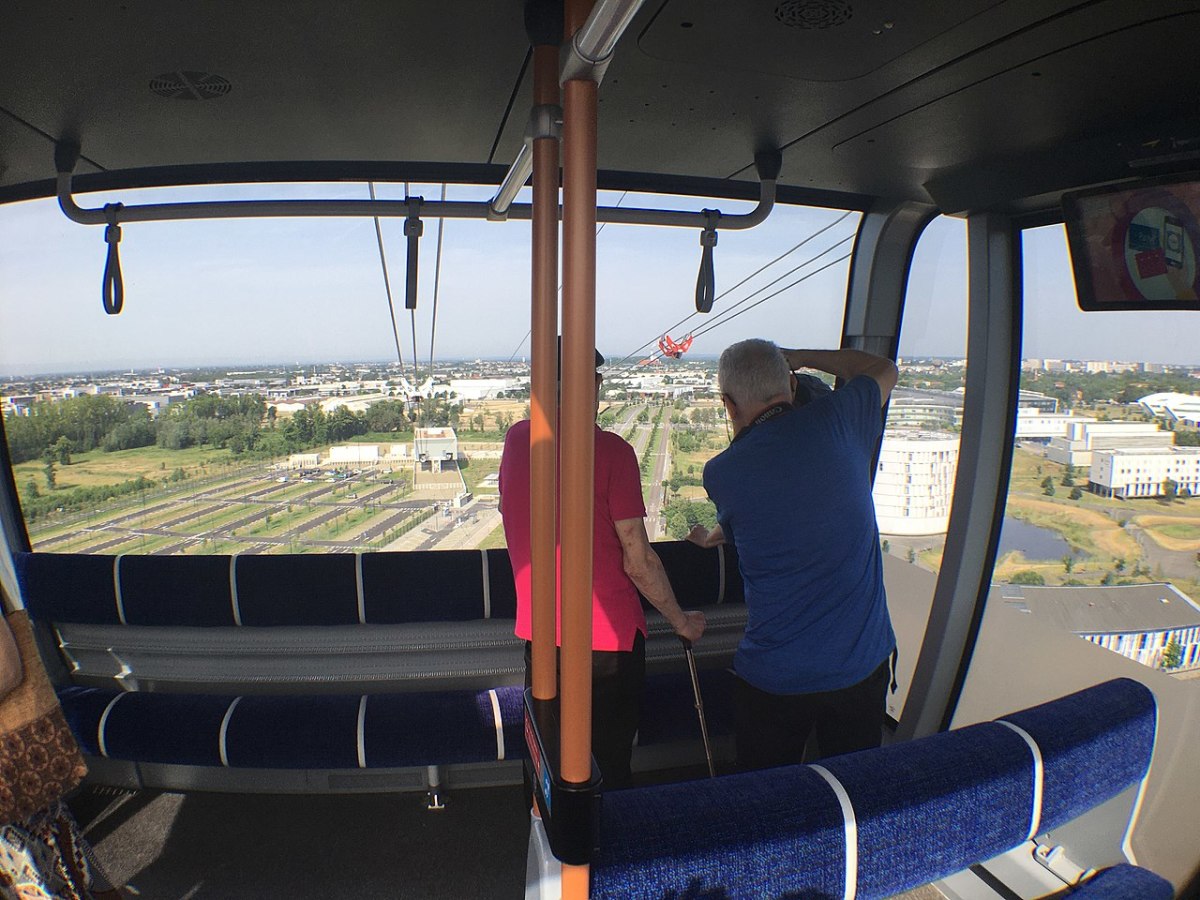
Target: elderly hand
[702,537]
[692,626]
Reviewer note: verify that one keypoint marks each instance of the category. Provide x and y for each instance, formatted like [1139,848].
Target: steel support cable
[787,287]
[387,284]
[729,291]
[725,315]
[730,314]
[621,200]
[716,324]
[437,281]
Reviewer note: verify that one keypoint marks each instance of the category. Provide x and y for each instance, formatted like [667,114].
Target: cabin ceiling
[968,104]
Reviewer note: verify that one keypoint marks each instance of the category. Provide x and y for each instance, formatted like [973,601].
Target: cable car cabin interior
[266,269]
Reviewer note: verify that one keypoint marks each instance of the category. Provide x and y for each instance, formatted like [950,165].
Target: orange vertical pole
[578,422]
[543,404]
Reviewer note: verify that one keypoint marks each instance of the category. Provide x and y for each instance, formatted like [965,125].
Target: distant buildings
[435,448]
[914,482]
[1085,435]
[1177,409]
[484,388]
[1127,473]
[1136,620]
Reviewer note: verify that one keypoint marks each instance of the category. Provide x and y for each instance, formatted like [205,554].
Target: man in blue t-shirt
[793,494]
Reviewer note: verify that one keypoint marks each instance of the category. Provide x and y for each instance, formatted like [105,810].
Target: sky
[258,291]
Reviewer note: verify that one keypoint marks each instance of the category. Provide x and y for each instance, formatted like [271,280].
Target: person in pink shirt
[623,563]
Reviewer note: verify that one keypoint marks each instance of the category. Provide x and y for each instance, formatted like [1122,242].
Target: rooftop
[1116,609]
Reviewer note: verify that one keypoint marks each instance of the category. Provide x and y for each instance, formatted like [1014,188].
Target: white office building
[1086,435]
[435,449]
[1144,473]
[483,388]
[1181,409]
[355,454]
[1040,426]
[914,482]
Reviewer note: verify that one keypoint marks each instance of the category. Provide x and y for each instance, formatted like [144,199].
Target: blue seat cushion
[1094,743]
[68,587]
[777,833]
[321,589]
[1124,882]
[423,586]
[176,590]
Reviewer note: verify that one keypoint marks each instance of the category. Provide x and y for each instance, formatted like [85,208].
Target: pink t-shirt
[617,614]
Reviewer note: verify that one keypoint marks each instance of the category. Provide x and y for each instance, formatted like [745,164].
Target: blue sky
[298,290]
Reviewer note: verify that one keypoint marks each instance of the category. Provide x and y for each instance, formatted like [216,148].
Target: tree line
[54,430]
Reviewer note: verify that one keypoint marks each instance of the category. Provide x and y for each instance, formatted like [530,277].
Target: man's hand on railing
[702,537]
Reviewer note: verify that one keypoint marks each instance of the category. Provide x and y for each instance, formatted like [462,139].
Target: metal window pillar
[981,488]
[879,265]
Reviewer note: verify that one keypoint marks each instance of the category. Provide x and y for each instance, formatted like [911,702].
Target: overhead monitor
[1134,246]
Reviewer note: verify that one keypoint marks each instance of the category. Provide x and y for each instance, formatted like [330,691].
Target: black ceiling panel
[866,97]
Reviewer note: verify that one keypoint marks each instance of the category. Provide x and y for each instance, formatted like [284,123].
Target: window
[924,421]
[258,394]
[1094,525]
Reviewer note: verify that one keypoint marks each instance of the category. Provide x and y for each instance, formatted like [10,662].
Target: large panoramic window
[914,481]
[265,390]
[1101,533]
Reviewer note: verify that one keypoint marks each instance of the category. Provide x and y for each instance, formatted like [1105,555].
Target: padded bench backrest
[314,589]
[879,821]
[252,590]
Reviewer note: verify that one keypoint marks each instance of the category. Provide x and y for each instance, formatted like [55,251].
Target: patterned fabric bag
[46,857]
[39,759]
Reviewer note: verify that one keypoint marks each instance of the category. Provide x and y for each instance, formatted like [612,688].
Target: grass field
[96,468]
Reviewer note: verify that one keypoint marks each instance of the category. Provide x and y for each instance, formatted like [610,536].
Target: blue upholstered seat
[323,731]
[1124,882]
[884,820]
[284,725]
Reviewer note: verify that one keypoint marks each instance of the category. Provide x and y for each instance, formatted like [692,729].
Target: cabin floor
[210,846]
[207,846]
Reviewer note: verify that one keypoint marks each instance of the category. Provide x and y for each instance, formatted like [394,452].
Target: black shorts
[772,729]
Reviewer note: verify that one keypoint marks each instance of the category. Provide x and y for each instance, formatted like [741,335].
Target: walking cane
[691,661]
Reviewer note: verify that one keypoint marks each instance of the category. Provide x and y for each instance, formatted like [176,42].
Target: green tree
[1048,490]
[1170,489]
[1027,576]
[1048,481]
[1172,657]
[48,469]
[1068,562]
[62,450]
[1076,493]
[31,490]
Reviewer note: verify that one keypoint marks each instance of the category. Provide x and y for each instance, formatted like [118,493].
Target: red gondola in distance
[674,348]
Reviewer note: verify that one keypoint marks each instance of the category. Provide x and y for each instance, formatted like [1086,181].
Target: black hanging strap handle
[413,229]
[113,292]
[706,279]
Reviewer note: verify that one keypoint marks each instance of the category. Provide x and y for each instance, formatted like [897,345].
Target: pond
[1033,541]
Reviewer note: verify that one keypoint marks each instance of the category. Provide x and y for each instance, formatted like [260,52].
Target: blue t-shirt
[793,494]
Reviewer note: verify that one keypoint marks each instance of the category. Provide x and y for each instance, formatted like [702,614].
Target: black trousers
[772,729]
[617,680]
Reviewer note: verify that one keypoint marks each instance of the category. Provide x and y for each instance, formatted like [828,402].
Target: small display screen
[1134,247]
